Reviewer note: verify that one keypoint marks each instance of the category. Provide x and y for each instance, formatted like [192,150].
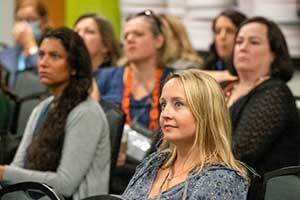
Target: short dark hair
[235,17]
[281,66]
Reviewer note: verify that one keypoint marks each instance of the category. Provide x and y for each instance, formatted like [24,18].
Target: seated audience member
[66,142]
[224,29]
[101,42]
[218,60]
[99,38]
[195,160]
[30,23]
[180,50]
[136,85]
[265,120]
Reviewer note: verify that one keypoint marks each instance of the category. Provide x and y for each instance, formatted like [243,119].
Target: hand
[1,172]
[95,93]
[221,76]
[121,159]
[23,35]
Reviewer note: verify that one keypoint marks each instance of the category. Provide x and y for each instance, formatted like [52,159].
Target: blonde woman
[195,159]
[181,54]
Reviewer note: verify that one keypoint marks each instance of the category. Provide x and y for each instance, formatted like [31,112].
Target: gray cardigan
[85,161]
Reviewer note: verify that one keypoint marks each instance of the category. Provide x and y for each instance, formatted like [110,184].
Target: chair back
[27,92]
[116,121]
[105,197]
[27,83]
[282,184]
[28,191]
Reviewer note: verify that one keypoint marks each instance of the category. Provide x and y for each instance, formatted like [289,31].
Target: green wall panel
[108,8]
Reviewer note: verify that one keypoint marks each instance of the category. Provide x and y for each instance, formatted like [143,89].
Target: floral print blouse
[214,181]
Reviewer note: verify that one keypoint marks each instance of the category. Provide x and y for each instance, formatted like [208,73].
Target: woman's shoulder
[88,106]
[152,161]
[44,103]
[110,78]
[222,174]
[272,90]
[272,84]
[108,72]
[217,180]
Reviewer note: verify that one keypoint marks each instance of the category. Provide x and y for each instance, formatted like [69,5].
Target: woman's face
[28,14]
[176,119]
[224,37]
[252,51]
[88,30]
[139,42]
[53,66]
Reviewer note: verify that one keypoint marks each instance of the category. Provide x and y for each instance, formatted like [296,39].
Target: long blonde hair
[181,38]
[213,127]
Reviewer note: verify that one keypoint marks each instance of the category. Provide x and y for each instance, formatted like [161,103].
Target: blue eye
[239,41]
[178,104]
[55,56]
[162,106]
[41,54]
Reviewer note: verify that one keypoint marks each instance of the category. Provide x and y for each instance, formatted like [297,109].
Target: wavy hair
[213,127]
[184,49]
[44,152]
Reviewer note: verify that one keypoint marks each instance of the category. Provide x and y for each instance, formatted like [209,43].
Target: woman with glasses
[136,85]
[30,23]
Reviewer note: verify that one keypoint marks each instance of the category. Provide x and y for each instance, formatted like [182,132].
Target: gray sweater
[85,161]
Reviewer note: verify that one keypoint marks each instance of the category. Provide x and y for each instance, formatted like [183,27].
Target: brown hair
[156,29]
[281,66]
[38,5]
[236,18]
[108,36]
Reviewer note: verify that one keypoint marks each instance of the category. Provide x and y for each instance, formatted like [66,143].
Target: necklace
[171,175]
[154,113]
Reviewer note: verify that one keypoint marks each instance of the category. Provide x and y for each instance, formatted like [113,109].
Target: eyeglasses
[151,14]
[26,19]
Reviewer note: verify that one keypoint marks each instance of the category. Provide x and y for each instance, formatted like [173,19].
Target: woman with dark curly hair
[58,133]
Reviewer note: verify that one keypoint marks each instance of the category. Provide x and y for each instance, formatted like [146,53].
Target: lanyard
[154,113]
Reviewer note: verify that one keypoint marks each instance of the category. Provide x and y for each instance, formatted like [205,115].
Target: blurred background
[197,16]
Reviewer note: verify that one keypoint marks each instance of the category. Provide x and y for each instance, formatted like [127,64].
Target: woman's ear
[272,57]
[159,41]
[73,72]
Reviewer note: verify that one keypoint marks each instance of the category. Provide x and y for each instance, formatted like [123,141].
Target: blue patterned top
[215,181]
